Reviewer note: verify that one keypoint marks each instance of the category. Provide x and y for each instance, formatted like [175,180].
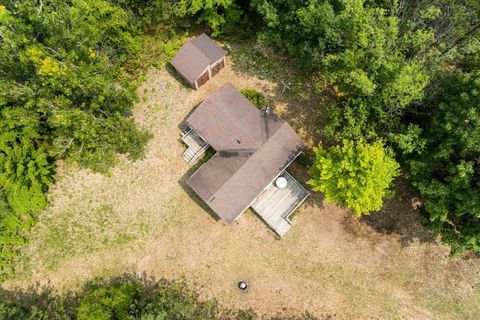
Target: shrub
[304,160]
[255,97]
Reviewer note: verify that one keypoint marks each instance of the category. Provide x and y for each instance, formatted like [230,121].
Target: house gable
[233,178]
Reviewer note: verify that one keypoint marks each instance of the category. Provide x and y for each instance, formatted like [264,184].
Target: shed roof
[195,56]
[253,147]
[209,47]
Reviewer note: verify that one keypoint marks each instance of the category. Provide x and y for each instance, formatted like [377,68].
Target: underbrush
[158,48]
[125,297]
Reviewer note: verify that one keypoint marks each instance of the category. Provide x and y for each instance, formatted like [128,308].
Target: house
[198,60]
[253,149]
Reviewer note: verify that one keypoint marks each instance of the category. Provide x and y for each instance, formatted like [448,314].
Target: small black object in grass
[242,285]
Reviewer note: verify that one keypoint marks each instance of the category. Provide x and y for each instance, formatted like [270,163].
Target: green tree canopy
[63,95]
[356,175]
[122,298]
[404,72]
[219,15]
[363,54]
[447,174]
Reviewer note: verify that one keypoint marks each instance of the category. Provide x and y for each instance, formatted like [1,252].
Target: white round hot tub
[281,182]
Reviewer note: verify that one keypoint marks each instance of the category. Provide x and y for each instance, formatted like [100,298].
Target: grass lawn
[143,219]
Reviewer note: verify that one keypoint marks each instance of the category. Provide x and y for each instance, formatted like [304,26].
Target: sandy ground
[143,219]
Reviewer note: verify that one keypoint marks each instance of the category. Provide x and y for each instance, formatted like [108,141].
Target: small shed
[198,60]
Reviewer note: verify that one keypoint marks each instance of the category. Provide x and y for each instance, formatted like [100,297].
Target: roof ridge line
[199,50]
[249,158]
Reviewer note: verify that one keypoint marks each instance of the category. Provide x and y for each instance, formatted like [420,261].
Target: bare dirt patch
[142,219]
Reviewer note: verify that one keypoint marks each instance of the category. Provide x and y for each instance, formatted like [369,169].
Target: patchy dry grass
[142,218]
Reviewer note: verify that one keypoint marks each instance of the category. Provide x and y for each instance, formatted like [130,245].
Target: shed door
[202,79]
[218,67]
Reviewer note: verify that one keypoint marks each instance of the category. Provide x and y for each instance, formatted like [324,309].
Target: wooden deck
[274,205]
[196,146]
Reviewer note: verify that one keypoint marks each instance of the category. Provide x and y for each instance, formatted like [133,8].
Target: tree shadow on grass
[183,180]
[40,297]
[399,217]
[304,316]
[183,124]
[149,297]
[162,296]
[296,89]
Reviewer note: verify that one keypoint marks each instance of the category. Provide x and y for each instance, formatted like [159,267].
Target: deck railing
[295,205]
[195,148]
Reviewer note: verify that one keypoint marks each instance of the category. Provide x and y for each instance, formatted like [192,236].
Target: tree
[356,175]
[405,72]
[453,22]
[376,79]
[114,302]
[304,29]
[148,14]
[447,173]
[219,15]
[363,55]
[121,298]
[63,95]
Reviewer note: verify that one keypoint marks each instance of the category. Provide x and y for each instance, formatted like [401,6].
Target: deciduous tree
[63,95]
[447,173]
[356,175]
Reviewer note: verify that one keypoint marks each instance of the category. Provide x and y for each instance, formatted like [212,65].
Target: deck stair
[189,155]
[196,145]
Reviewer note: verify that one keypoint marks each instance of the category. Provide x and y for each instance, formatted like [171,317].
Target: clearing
[143,219]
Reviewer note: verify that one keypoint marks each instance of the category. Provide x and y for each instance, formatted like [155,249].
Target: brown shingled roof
[190,62]
[209,47]
[195,56]
[253,147]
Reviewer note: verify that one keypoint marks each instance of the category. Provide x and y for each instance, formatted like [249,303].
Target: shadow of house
[171,70]
[183,124]
[183,183]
